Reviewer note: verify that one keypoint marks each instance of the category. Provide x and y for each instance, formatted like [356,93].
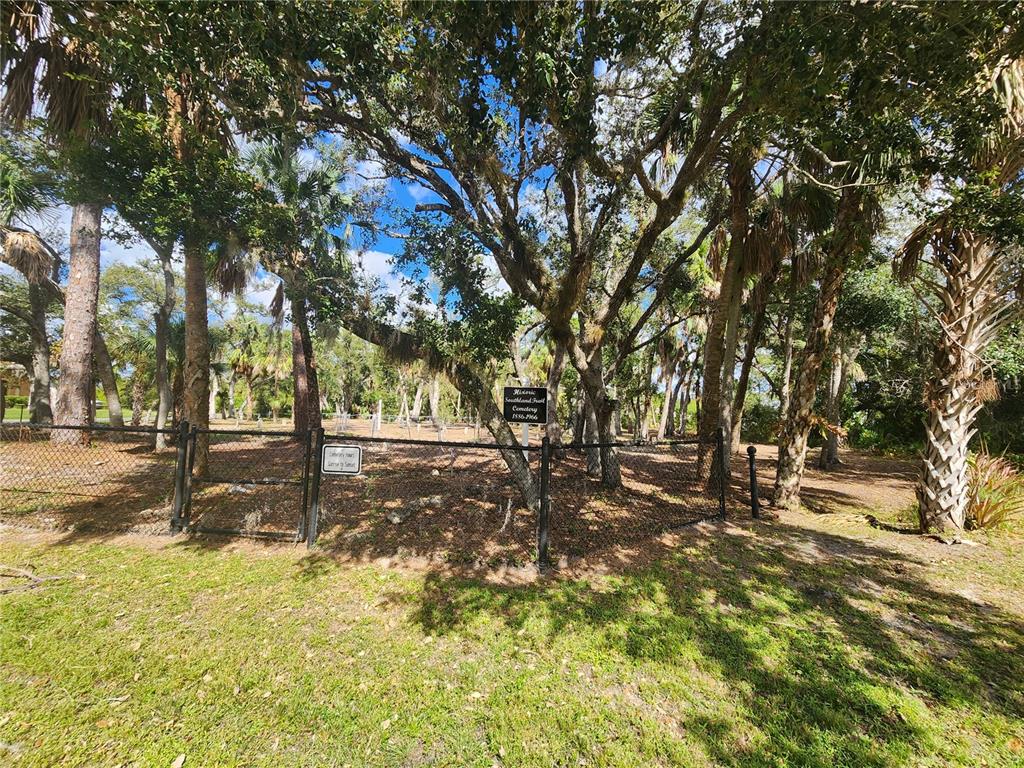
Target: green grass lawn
[732,649]
[20,414]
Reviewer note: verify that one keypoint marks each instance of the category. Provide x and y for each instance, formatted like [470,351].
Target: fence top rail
[91,428]
[623,444]
[440,443]
[247,432]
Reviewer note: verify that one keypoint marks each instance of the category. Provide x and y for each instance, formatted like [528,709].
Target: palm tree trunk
[250,401]
[164,397]
[725,403]
[973,312]
[138,398]
[743,383]
[229,404]
[105,370]
[39,388]
[196,403]
[787,359]
[80,304]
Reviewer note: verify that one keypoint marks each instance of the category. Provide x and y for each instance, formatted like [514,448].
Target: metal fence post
[755,502]
[721,471]
[313,518]
[543,517]
[179,476]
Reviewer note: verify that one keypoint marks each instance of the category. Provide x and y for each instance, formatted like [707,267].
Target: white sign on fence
[342,460]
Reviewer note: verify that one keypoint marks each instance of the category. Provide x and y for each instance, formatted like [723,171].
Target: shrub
[996,491]
[760,422]
[16,401]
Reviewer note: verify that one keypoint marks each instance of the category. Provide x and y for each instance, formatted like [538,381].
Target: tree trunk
[417,402]
[973,312]
[162,318]
[230,399]
[300,379]
[723,332]
[590,435]
[138,398]
[553,429]
[214,391]
[797,426]
[829,457]
[105,370]
[787,359]
[685,400]
[434,401]
[603,410]
[669,363]
[177,395]
[314,401]
[714,353]
[247,406]
[196,402]
[753,340]
[470,384]
[725,418]
[81,299]
[579,419]
[39,386]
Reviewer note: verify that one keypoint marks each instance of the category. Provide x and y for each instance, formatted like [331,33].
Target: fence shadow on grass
[817,638]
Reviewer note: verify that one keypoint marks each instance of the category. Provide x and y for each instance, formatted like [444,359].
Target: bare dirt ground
[458,506]
[881,485]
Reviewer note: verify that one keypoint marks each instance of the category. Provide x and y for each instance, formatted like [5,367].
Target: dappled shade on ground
[789,643]
[118,483]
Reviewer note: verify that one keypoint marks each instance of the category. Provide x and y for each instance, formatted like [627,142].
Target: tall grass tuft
[997,491]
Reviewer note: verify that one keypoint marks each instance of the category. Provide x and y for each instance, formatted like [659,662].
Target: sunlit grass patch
[733,651]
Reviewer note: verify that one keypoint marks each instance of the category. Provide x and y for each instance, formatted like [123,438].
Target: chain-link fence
[460,501]
[663,487]
[251,484]
[88,478]
[457,501]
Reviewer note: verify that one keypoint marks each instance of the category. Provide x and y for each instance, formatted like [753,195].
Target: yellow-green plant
[996,491]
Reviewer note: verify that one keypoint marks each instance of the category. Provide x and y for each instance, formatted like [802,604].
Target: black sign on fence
[526,405]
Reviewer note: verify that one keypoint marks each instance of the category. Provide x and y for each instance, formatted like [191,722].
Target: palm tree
[23,193]
[976,282]
[313,204]
[75,107]
[858,217]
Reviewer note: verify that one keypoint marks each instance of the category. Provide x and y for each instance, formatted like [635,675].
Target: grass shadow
[835,649]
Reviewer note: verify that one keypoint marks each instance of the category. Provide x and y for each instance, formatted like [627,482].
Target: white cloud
[54,226]
[380,265]
[419,193]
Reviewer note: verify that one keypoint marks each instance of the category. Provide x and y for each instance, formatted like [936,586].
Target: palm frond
[27,253]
